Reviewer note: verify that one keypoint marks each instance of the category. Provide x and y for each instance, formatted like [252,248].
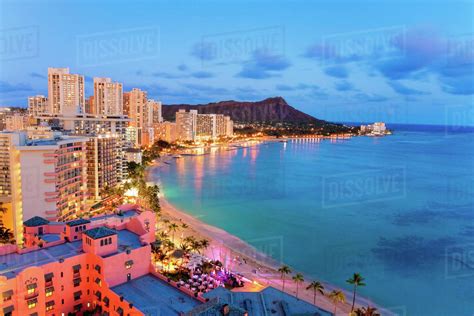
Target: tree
[173,228]
[298,278]
[356,280]
[284,270]
[316,287]
[6,235]
[366,311]
[337,296]
[204,243]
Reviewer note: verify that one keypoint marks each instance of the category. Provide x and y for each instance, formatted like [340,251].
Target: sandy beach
[242,258]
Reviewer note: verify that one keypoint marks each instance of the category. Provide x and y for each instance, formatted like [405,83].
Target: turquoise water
[397,209]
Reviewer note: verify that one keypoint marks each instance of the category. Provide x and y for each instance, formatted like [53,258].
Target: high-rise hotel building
[103,152]
[108,97]
[186,124]
[65,92]
[41,177]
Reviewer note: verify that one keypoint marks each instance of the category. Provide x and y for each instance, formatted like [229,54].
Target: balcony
[76,275]
[49,180]
[50,174]
[49,161]
[31,295]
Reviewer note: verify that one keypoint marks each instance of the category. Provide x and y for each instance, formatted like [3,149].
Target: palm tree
[204,243]
[298,278]
[163,235]
[283,271]
[316,286]
[366,311]
[173,228]
[337,296]
[184,226]
[356,280]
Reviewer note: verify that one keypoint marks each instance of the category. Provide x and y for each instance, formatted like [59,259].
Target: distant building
[90,107]
[65,92]
[166,131]
[16,121]
[108,97]
[229,127]
[206,126]
[41,132]
[133,155]
[186,125]
[37,105]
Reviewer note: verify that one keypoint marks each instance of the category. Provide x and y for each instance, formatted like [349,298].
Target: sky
[346,61]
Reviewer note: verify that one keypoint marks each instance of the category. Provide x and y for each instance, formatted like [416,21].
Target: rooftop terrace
[155,297]
[12,264]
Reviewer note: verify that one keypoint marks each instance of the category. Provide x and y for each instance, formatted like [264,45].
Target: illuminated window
[49,291]
[31,288]
[32,303]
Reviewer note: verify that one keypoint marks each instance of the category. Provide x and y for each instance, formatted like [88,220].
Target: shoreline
[251,263]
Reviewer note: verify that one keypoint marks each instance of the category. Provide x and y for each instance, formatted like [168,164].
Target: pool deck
[155,297]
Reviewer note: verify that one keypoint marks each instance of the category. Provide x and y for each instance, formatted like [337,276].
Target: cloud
[370,97]
[402,89]
[337,71]
[263,65]
[300,86]
[458,86]
[206,89]
[202,74]
[343,85]
[37,75]
[182,67]
[6,87]
[203,51]
[166,75]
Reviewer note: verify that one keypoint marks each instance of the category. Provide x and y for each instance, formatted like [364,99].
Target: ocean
[397,209]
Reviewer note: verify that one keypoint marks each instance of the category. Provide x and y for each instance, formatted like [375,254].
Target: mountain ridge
[274,110]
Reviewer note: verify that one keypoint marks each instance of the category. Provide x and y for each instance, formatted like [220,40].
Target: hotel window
[128,264]
[49,305]
[49,291]
[31,288]
[106,301]
[48,277]
[76,268]
[32,303]
[77,295]
[77,282]
[8,311]
[7,295]
[77,307]
[97,268]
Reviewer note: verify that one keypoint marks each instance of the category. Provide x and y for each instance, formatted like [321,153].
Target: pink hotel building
[69,268]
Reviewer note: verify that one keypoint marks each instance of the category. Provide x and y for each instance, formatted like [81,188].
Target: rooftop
[12,264]
[100,232]
[79,221]
[155,297]
[36,221]
[269,301]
